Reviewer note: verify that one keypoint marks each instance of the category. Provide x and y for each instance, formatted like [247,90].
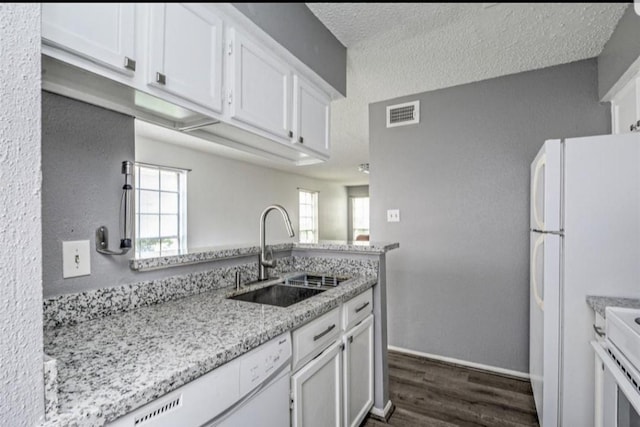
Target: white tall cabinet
[185,52]
[100,32]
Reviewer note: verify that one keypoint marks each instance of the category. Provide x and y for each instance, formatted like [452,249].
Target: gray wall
[21,384]
[459,284]
[83,147]
[296,28]
[622,49]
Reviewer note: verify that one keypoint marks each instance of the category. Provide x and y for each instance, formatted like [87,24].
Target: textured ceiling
[396,49]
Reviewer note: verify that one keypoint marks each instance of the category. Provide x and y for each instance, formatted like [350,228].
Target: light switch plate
[76,259]
[393,215]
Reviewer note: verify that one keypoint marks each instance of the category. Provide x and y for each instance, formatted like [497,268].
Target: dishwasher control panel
[259,364]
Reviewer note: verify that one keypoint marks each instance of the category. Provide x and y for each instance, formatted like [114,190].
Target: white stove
[623,331]
[618,370]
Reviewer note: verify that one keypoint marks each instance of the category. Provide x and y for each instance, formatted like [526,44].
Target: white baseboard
[489,368]
[382,413]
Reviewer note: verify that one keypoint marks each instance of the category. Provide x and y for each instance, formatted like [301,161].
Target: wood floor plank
[434,393]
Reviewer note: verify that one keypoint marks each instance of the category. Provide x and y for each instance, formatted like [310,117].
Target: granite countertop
[109,366]
[599,303]
[198,255]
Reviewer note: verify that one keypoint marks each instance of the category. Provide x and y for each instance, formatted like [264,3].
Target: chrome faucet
[263,262]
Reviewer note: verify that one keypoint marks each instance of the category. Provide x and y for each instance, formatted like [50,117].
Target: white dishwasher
[238,393]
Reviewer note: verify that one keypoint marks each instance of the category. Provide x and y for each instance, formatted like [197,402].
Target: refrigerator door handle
[534,280]
[536,173]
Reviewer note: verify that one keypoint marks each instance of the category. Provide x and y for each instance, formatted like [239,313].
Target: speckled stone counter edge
[50,387]
[213,254]
[600,303]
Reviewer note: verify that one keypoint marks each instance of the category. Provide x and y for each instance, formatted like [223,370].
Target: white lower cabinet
[316,390]
[358,372]
[334,387]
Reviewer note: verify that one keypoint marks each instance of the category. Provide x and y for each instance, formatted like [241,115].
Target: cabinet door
[358,372]
[185,53]
[317,391]
[101,32]
[625,107]
[261,95]
[311,117]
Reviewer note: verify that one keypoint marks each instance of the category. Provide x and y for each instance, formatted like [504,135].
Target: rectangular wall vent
[403,114]
[157,411]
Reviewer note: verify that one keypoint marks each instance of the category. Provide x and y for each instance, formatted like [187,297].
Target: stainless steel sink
[280,295]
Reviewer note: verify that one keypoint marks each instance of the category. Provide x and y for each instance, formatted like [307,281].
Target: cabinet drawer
[312,338]
[357,309]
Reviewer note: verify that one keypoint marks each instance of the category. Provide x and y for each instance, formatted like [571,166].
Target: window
[360,217]
[161,211]
[308,216]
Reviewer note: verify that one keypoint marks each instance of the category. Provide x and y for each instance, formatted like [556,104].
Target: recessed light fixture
[363,167]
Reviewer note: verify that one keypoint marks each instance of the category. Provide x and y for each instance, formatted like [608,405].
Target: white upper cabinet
[100,32]
[185,53]
[310,117]
[625,108]
[260,93]
[188,66]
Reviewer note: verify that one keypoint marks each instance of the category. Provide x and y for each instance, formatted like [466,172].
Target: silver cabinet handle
[129,64]
[598,331]
[362,307]
[351,339]
[161,78]
[321,334]
[290,134]
[301,140]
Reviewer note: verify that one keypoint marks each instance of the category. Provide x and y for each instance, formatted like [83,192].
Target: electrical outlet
[76,259]
[393,215]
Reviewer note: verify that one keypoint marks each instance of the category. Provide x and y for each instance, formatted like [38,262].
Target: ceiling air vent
[403,114]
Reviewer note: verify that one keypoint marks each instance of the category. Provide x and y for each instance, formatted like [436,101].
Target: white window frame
[314,203]
[182,209]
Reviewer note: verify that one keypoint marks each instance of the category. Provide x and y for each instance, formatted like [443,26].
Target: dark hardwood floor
[431,393]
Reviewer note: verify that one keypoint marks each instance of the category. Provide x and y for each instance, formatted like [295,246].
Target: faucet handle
[268,260]
[272,260]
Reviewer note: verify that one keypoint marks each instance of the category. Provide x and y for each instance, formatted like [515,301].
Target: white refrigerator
[585,240]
